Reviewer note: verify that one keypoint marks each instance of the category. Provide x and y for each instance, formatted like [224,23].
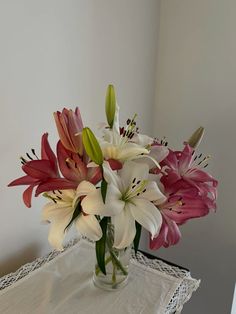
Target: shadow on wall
[26,255]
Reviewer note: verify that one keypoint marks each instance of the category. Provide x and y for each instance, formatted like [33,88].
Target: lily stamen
[135,190]
[28,155]
[33,152]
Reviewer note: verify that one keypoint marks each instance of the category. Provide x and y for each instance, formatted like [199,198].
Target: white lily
[126,145]
[129,198]
[60,212]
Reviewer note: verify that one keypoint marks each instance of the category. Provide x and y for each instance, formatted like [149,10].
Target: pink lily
[69,125]
[168,235]
[181,169]
[74,169]
[42,173]
[176,210]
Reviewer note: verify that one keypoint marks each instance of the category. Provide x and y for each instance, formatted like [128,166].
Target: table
[61,283]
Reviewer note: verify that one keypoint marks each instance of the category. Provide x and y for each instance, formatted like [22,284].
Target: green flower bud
[110,105]
[196,137]
[92,146]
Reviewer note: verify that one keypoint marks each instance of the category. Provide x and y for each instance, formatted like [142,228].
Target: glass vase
[116,264]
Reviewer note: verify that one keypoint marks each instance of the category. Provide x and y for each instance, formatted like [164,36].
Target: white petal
[84,188]
[60,218]
[114,204]
[66,196]
[159,152]
[52,211]
[109,151]
[146,214]
[107,137]
[110,175]
[142,139]
[147,159]
[116,124]
[133,170]
[89,226]
[153,193]
[124,228]
[57,234]
[93,202]
[130,151]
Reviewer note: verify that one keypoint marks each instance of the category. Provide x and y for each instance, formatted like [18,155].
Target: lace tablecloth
[52,284]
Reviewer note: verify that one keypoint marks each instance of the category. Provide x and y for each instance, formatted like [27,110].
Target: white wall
[58,53]
[197,86]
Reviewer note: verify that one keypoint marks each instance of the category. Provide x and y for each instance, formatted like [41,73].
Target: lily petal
[84,188]
[59,216]
[39,169]
[27,195]
[142,139]
[133,169]
[124,227]
[110,175]
[93,202]
[153,193]
[130,151]
[146,214]
[76,171]
[25,180]
[55,184]
[89,226]
[159,152]
[47,153]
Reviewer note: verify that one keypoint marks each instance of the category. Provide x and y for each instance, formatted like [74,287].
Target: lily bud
[196,137]
[92,146]
[69,125]
[110,105]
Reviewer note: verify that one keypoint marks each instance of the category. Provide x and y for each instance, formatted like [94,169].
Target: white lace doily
[181,296]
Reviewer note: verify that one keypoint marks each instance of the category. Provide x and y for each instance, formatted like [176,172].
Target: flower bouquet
[112,186]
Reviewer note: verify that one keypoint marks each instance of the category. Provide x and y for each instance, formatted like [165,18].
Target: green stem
[113,272]
[118,263]
[97,271]
[115,261]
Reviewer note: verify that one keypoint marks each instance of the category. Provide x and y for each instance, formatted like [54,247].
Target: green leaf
[110,105]
[196,137]
[104,190]
[137,236]
[92,146]
[76,213]
[101,246]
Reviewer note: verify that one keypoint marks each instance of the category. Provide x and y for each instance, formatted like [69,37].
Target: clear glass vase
[116,263]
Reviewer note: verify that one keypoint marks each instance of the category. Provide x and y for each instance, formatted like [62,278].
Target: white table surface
[63,284]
